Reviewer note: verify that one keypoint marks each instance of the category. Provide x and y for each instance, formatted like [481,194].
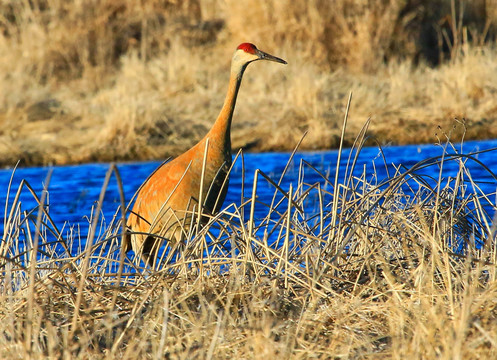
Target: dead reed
[401,267]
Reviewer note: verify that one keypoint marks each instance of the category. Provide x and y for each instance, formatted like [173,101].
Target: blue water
[73,190]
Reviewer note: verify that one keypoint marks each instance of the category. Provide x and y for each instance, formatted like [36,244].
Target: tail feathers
[126,245]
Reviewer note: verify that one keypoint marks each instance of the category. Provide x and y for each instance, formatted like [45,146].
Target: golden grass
[117,79]
[381,269]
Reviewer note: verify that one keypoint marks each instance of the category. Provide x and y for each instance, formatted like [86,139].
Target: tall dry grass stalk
[401,267]
[120,79]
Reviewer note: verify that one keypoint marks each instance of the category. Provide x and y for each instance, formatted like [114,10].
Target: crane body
[164,206]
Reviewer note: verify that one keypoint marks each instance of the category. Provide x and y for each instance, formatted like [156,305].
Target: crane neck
[220,131]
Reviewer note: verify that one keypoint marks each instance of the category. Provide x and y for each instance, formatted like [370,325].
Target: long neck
[220,131]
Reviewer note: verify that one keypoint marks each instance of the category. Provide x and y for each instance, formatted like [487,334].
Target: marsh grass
[396,267]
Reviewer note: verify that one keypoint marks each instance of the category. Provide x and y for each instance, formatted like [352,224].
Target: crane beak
[265,56]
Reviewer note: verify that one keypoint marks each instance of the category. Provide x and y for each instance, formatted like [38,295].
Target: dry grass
[119,79]
[398,268]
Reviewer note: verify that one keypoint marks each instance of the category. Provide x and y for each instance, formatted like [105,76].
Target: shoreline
[376,135]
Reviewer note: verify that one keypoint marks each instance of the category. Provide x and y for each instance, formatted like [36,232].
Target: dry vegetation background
[123,79]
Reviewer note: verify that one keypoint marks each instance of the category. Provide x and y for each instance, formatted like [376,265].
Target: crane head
[246,53]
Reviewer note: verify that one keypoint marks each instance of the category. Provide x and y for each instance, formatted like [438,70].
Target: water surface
[73,190]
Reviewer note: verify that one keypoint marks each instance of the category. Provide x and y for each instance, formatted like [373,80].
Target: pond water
[73,190]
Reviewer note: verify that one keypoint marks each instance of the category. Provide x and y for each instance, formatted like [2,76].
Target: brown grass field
[399,269]
[125,80]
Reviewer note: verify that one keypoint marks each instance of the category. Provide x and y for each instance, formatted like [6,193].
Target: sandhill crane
[164,205]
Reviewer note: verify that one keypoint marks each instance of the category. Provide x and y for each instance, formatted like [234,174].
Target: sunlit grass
[401,267]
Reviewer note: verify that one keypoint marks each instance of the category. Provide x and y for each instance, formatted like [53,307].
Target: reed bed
[396,267]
